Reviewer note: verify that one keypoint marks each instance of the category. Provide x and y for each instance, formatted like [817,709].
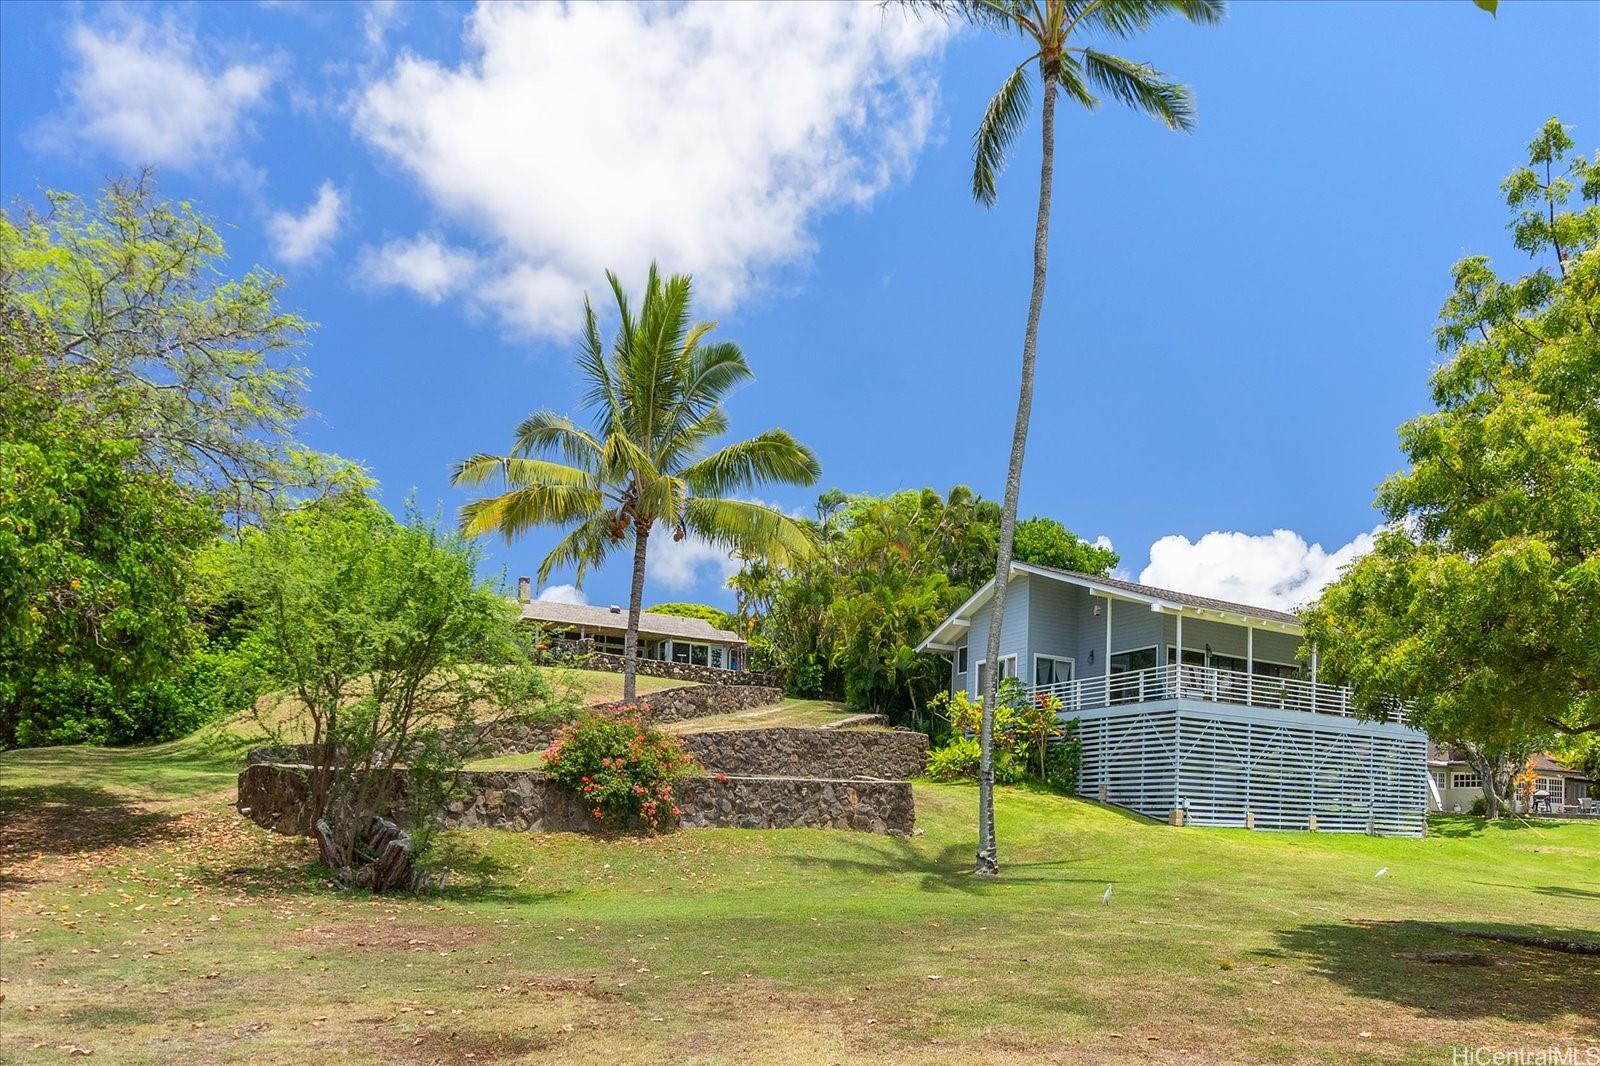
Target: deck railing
[1207,683]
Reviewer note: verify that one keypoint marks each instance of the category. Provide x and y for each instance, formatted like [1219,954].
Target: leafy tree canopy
[847,623]
[1047,542]
[1481,603]
[199,370]
[715,615]
[92,555]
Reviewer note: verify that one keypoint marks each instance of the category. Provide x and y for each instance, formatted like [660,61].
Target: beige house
[669,638]
[1455,785]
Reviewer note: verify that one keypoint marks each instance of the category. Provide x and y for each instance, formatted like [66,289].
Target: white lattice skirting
[1218,763]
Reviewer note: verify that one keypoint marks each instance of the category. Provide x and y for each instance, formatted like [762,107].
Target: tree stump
[387,851]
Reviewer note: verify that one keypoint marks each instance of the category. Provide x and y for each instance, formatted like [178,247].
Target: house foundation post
[1311,824]
[1175,816]
[1249,819]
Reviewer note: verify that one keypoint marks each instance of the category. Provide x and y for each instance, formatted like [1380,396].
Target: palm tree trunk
[630,640]
[988,858]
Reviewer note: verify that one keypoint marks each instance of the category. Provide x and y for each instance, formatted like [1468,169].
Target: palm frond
[519,510]
[518,472]
[584,546]
[754,530]
[773,456]
[1141,87]
[601,395]
[1002,121]
[547,431]
[1001,15]
[1124,18]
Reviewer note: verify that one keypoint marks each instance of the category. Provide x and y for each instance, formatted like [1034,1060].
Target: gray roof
[653,625]
[1188,598]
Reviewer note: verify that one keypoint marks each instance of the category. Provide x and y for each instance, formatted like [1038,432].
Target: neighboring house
[666,637]
[1240,734]
[1557,788]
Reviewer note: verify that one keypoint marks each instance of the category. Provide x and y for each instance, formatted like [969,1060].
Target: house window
[1125,662]
[680,652]
[716,657]
[1551,785]
[697,654]
[1461,779]
[1051,670]
[961,659]
[1008,668]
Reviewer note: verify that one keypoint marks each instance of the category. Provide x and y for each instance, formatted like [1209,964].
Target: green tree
[1046,542]
[1050,31]
[1481,603]
[93,551]
[656,403]
[396,654]
[846,623]
[717,617]
[199,370]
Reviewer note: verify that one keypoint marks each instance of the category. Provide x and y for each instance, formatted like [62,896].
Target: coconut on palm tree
[648,457]
[1051,30]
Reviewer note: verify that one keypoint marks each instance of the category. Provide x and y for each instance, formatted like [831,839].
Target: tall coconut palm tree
[1050,30]
[656,404]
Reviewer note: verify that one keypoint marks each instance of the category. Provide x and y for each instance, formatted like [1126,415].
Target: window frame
[1012,659]
[961,659]
[1072,667]
[1472,777]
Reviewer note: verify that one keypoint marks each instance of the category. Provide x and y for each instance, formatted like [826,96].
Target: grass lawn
[141,919]
[790,712]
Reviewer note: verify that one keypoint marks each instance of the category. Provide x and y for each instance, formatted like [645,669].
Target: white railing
[1207,683]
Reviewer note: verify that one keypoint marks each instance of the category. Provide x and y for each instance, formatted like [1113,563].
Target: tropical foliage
[1481,603]
[714,616]
[144,401]
[621,768]
[655,400]
[395,654]
[1058,37]
[846,623]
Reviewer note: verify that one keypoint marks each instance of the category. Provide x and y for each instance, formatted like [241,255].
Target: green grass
[790,712]
[143,920]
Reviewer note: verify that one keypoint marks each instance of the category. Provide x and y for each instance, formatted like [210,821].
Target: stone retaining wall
[700,675]
[274,797]
[668,705]
[698,701]
[800,752]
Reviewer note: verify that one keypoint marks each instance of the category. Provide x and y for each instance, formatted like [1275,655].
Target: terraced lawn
[142,920]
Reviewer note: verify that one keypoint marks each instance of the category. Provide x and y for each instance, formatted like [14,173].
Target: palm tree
[656,405]
[1049,30]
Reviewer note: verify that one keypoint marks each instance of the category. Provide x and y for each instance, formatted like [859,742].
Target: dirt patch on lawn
[455,1046]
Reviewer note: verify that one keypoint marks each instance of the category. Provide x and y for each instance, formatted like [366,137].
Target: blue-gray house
[1192,708]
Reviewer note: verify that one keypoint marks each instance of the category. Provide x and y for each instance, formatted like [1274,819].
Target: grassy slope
[171,928]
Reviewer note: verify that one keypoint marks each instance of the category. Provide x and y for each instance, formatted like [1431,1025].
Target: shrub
[1024,726]
[1064,760]
[622,768]
[958,761]
[1480,807]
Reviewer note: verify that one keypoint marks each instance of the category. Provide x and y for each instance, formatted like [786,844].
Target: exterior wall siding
[1013,632]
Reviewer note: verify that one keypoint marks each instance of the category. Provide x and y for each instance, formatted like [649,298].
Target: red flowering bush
[620,767]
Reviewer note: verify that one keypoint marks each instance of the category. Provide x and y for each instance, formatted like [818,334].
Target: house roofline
[1110,591]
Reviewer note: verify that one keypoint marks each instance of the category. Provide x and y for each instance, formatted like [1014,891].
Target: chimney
[524,589]
[616,609]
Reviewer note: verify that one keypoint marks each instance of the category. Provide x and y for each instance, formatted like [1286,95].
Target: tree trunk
[1488,770]
[988,858]
[630,641]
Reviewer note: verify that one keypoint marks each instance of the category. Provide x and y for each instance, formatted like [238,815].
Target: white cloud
[377,20]
[1273,570]
[574,138]
[562,594]
[682,564]
[149,93]
[301,237]
[423,264]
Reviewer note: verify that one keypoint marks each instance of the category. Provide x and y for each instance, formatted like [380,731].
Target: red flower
[721,776]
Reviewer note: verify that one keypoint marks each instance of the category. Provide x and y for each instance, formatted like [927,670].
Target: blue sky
[1236,321]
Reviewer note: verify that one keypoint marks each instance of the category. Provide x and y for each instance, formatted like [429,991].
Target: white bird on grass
[1106,898]
[1380,873]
